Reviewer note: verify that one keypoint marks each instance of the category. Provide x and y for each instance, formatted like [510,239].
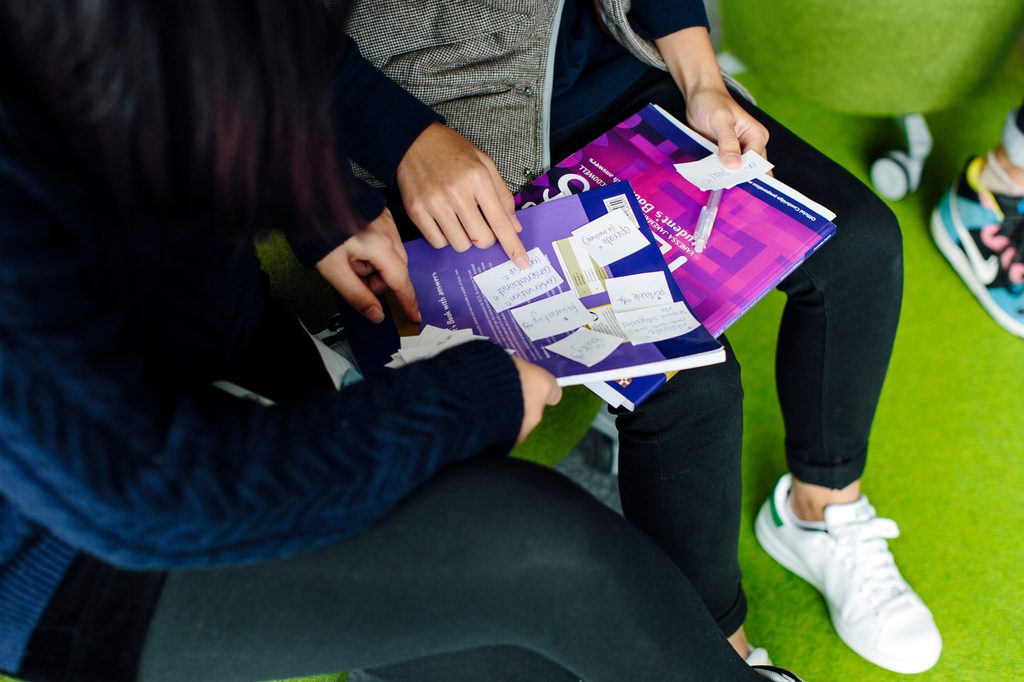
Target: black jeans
[679,465]
[680,454]
[491,554]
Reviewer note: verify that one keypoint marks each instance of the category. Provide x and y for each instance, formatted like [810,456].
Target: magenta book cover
[763,231]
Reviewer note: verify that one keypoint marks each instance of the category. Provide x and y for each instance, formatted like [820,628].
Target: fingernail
[522,261]
[733,159]
[374,314]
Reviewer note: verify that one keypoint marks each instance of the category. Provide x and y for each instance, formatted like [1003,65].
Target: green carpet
[874,48]
[942,459]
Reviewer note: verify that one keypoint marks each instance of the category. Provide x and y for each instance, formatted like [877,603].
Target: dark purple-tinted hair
[192,105]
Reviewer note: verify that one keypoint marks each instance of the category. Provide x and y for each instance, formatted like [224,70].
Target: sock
[998,180]
[1013,140]
[800,523]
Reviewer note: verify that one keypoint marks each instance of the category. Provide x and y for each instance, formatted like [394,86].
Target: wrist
[409,159]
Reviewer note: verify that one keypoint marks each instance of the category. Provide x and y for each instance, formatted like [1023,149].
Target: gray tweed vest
[486,65]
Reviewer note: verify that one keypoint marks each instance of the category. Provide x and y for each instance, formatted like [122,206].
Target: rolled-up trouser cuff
[1013,138]
[835,476]
[732,619]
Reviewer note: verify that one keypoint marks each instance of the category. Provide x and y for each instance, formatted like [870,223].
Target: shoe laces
[1011,228]
[1010,211]
[863,550]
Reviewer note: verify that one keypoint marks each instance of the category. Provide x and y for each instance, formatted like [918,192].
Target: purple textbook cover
[763,231]
[450,298]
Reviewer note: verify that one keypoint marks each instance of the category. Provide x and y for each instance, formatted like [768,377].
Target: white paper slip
[611,237]
[586,346]
[553,315]
[429,342]
[709,173]
[604,321]
[506,286]
[638,291]
[647,325]
[337,359]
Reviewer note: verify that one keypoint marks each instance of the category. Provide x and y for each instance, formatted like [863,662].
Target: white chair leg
[898,172]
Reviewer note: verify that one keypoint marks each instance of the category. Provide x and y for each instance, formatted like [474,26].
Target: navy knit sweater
[112,442]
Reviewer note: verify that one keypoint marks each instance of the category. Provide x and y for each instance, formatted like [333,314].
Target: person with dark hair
[531,83]
[156,528]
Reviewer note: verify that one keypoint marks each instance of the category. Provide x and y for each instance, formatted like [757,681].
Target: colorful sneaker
[982,236]
[872,607]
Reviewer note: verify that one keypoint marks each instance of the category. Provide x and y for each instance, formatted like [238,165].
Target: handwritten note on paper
[658,323]
[611,237]
[553,315]
[506,286]
[709,173]
[431,341]
[586,346]
[638,291]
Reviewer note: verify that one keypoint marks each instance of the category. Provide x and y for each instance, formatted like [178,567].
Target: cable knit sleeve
[376,120]
[97,451]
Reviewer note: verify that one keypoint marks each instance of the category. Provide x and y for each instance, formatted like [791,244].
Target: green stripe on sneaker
[775,512]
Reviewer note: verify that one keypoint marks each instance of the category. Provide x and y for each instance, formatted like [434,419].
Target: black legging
[680,454]
[680,451]
[490,552]
[491,555]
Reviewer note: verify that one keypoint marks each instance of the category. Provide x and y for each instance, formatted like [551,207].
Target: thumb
[555,394]
[728,142]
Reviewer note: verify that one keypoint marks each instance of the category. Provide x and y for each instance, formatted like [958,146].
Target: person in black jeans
[679,467]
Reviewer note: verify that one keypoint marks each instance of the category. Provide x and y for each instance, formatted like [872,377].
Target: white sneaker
[758,656]
[872,607]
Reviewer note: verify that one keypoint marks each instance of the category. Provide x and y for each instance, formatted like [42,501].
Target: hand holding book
[764,229]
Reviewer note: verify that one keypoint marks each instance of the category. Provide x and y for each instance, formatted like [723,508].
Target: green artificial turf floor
[946,458]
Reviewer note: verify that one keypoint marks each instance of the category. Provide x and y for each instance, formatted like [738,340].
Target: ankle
[1001,175]
[808,501]
[739,642]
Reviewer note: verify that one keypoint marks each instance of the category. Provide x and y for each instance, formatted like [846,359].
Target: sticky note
[586,346]
[638,291]
[658,323]
[709,173]
[550,316]
[506,286]
[611,237]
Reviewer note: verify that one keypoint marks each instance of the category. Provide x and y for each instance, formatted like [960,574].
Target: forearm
[691,60]
[710,108]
